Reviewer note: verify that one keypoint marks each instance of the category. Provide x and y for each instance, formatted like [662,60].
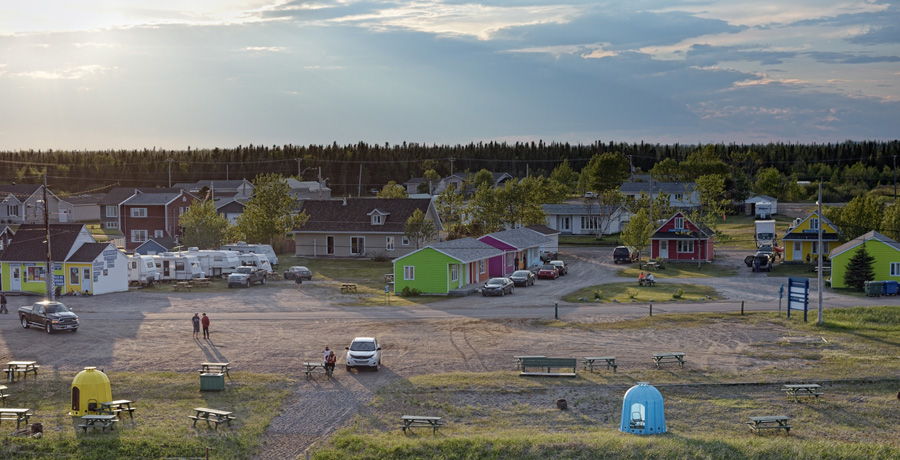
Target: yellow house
[802,240]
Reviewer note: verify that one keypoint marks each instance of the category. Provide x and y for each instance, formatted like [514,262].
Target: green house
[885,251]
[442,267]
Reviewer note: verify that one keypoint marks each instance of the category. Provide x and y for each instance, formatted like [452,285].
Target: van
[626,254]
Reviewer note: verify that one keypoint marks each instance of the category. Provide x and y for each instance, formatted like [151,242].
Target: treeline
[358,168]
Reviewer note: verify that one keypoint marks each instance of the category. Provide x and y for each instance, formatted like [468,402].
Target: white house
[751,203]
[583,219]
[681,194]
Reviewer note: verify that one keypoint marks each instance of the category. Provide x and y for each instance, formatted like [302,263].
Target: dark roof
[88,252]
[154,198]
[666,187]
[335,216]
[579,209]
[703,233]
[119,194]
[91,199]
[231,206]
[164,242]
[466,249]
[21,192]
[28,243]
[543,229]
[223,184]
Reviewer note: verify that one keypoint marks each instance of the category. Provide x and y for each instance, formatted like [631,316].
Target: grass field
[499,415]
[679,270]
[628,292]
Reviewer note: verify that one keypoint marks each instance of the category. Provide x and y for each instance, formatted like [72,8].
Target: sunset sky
[170,74]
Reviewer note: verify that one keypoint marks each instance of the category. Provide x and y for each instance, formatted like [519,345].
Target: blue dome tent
[642,410]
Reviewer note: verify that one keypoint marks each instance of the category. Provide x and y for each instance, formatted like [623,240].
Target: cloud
[265,49]
[72,73]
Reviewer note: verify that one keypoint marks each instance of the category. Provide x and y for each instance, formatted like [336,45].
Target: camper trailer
[216,264]
[142,270]
[256,260]
[244,248]
[177,266]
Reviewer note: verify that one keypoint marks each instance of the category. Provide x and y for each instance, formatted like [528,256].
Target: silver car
[364,352]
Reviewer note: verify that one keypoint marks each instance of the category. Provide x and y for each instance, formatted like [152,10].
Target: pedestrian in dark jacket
[196,322]
[205,322]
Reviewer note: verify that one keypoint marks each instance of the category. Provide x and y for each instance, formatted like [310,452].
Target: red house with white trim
[149,215]
[679,239]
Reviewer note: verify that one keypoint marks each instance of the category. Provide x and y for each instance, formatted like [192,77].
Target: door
[798,250]
[86,280]
[15,277]
[329,245]
[167,270]
[566,224]
[664,249]
[74,279]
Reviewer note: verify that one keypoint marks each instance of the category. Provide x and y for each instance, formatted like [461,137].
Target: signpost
[798,295]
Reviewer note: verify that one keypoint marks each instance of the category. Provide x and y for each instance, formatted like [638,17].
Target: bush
[407,292]
[678,294]
[598,294]
[380,257]
[631,294]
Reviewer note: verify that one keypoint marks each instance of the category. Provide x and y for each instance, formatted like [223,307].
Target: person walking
[298,280]
[3,303]
[196,322]
[205,322]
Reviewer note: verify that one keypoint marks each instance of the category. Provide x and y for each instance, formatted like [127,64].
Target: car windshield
[495,281]
[362,346]
[520,273]
[548,267]
[56,308]
[244,270]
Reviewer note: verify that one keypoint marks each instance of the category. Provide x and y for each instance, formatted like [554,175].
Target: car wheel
[348,368]
[483,294]
[48,328]
[375,368]
[24,323]
[248,284]
[512,289]
[263,280]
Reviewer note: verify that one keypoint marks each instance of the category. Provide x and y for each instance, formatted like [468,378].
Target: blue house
[155,246]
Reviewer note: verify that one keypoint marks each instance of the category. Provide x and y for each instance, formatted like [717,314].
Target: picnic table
[312,367]
[199,282]
[17,414]
[410,421]
[3,395]
[275,276]
[770,422]
[215,368]
[659,358]
[549,363]
[116,407]
[649,265]
[809,390]
[182,286]
[589,362]
[13,368]
[102,422]
[348,287]
[519,360]
[646,282]
[212,416]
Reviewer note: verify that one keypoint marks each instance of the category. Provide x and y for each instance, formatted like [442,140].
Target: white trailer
[216,264]
[763,210]
[765,233]
[177,266]
[256,260]
[244,248]
[142,270]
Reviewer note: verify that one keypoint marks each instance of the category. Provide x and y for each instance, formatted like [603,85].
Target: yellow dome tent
[89,388]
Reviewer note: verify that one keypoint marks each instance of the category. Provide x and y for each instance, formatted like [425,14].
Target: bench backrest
[550,362]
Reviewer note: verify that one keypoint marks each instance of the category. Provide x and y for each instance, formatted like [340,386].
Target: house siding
[884,255]
[830,238]
[314,245]
[432,272]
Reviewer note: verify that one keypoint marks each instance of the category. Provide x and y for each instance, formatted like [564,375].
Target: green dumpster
[212,382]
[873,288]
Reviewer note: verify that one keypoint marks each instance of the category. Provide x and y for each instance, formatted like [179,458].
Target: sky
[135,74]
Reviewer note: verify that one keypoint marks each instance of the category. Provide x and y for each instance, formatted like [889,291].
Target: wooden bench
[808,390]
[549,363]
[411,421]
[348,287]
[3,395]
[17,414]
[520,358]
[215,368]
[659,358]
[589,362]
[275,276]
[102,422]
[646,282]
[212,416]
[182,285]
[117,407]
[317,368]
[199,282]
[770,422]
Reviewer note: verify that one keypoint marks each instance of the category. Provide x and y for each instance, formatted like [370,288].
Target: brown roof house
[78,262]
[361,227]
[24,204]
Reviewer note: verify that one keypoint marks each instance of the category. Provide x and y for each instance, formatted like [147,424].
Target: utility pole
[359,186]
[298,168]
[49,275]
[451,165]
[819,202]
[170,172]
[226,171]
[320,182]
[895,178]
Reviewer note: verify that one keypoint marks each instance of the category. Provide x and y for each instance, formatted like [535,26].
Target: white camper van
[244,248]
[177,267]
[256,260]
[216,264]
[142,270]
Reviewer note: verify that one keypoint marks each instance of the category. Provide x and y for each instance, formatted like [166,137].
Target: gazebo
[642,410]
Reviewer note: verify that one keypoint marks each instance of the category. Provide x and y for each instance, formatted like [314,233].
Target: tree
[433,177]
[270,212]
[419,229]
[666,170]
[565,175]
[450,205]
[890,223]
[521,202]
[203,227]
[713,201]
[486,209]
[483,177]
[637,232]
[606,171]
[392,190]
[862,214]
[859,269]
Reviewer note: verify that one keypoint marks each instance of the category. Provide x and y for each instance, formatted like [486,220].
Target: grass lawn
[742,231]
[588,240]
[679,270]
[160,429]
[496,415]
[626,292]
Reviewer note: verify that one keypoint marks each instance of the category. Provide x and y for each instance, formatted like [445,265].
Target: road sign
[798,295]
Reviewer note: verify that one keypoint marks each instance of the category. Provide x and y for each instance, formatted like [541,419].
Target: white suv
[364,351]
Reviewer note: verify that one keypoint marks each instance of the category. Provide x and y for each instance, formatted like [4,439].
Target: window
[329,245]
[482,267]
[454,272]
[679,223]
[814,223]
[138,212]
[138,236]
[377,219]
[357,245]
[181,210]
[157,233]
[895,268]
[389,243]
[566,223]
[404,241]
[34,274]
[112,211]
[409,272]
[589,223]
[679,197]
[111,224]
[12,210]
[73,276]
[825,245]
[179,265]
[686,246]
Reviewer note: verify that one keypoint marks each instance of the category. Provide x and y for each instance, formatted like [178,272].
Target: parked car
[497,286]
[548,272]
[561,267]
[295,271]
[363,352]
[243,276]
[522,278]
[761,261]
[547,256]
[626,254]
[51,316]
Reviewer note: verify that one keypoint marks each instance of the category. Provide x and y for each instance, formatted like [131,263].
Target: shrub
[631,294]
[678,294]
[407,292]
[598,293]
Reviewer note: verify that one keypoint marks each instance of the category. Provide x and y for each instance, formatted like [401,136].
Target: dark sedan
[295,271]
[522,278]
[497,286]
